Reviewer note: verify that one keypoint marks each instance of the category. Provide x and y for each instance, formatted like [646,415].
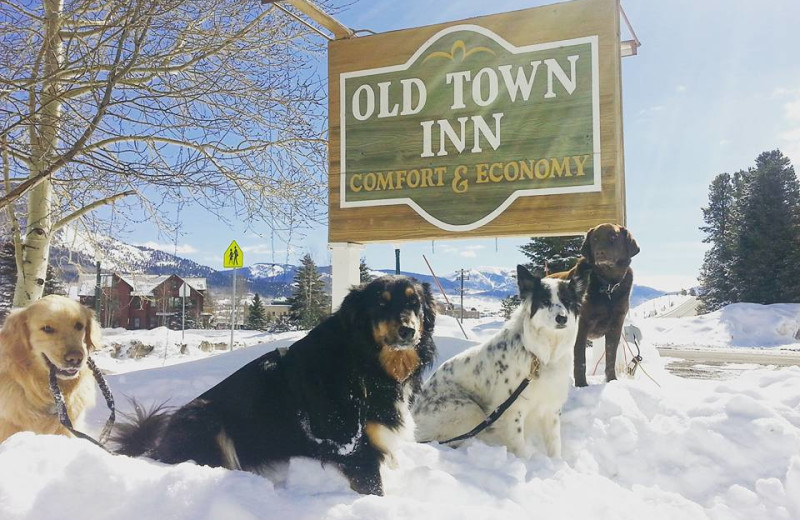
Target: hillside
[73,252]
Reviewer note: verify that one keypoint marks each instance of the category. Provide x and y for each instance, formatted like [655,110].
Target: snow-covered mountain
[483,286]
[72,251]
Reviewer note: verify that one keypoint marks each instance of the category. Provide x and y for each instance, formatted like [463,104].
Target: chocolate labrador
[604,270]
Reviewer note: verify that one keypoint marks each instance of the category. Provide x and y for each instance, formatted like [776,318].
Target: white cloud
[469,253]
[790,138]
[680,88]
[649,111]
[792,110]
[784,92]
[257,249]
[791,145]
[666,282]
[182,249]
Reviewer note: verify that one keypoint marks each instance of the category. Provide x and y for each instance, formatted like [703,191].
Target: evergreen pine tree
[715,274]
[508,304]
[363,272]
[768,243]
[309,304]
[8,277]
[557,253]
[52,283]
[257,315]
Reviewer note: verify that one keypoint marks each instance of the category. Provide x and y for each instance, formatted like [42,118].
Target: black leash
[61,406]
[505,405]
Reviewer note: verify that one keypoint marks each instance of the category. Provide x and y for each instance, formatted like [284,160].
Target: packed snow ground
[631,449]
[740,325]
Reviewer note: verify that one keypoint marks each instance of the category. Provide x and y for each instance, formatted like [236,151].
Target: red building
[142,301]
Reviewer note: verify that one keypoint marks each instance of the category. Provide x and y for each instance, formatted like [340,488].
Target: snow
[686,449]
[657,306]
[740,325]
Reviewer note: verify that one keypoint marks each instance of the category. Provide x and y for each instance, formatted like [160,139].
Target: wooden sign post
[502,125]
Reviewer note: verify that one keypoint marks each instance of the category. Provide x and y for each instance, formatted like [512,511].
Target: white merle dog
[538,339]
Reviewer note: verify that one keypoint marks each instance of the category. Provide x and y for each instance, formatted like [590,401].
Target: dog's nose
[561,319]
[406,333]
[73,358]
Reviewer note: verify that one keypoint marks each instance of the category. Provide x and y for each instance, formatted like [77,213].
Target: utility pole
[98,291]
[463,277]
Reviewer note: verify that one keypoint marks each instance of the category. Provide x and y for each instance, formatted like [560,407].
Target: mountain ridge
[73,253]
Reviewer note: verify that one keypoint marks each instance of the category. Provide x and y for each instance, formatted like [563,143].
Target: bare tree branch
[90,207]
[216,103]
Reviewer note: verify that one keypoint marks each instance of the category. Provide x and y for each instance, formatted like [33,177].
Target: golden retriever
[54,329]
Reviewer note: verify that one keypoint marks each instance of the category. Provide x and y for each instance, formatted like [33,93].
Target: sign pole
[233,258]
[183,317]
[233,310]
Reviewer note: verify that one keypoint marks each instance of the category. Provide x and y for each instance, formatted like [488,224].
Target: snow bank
[631,449]
[126,350]
[689,450]
[737,325]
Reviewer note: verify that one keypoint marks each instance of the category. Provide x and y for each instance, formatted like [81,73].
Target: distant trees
[552,254]
[309,304]
[715,274]
[256,315]
[752,222]
[8,277]
[363,272]
[509,304]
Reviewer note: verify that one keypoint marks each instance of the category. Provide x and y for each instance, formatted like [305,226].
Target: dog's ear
[578,284]
[526,281]
[633,247]
[91,336]
[428,308]
[586,247]
[15,336]
[349,309]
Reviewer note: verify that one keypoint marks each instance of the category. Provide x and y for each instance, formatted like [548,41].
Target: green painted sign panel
[470,123]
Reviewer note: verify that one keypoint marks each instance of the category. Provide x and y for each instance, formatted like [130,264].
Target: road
[723,364]
[687,308]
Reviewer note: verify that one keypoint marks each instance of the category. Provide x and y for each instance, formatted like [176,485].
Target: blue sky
[715,83]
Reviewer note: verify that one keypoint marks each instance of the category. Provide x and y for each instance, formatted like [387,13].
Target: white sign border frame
[596,186]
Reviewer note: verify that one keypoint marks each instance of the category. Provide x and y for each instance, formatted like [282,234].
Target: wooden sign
[501,125]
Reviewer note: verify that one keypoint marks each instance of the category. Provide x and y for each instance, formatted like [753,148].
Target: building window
[136,322]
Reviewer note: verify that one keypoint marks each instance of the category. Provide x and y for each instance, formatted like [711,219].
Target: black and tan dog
[605,271]
[340,395]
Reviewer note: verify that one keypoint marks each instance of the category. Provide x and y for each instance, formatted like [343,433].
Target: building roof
[141,284]
[196,283]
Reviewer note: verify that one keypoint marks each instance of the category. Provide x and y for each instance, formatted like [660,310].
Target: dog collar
[610,287]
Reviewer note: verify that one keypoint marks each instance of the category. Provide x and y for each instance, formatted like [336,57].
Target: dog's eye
[79,326]
[47,329]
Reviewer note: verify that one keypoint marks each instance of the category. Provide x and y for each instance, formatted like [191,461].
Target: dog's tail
[140,434]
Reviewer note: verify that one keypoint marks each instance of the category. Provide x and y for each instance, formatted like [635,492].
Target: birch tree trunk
[44,141]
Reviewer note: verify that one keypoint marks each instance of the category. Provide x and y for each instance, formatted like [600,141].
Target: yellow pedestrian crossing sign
[234,258]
